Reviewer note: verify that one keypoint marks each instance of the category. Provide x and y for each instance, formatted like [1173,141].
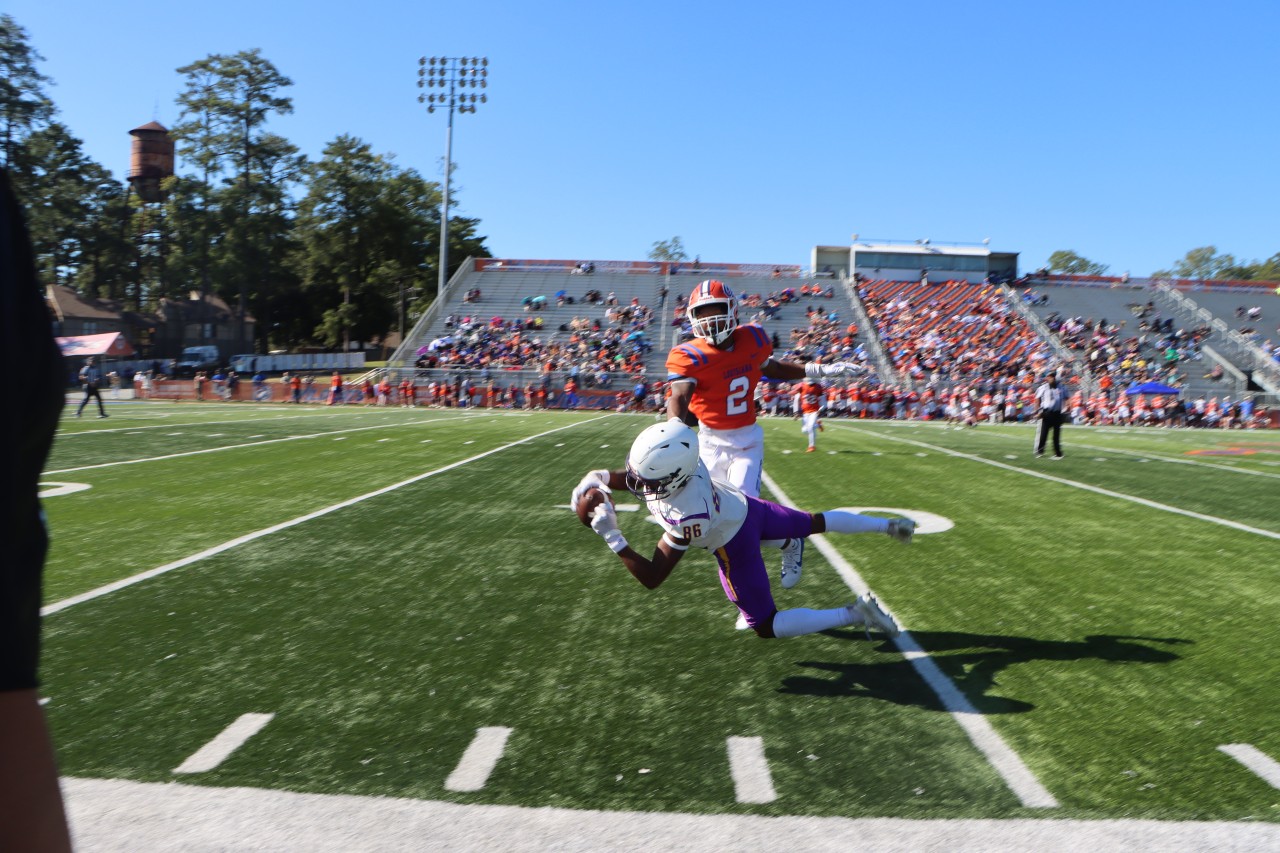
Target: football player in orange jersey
[713,379]
[810,397]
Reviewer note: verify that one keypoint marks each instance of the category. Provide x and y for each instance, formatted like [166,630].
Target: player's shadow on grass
[971,662]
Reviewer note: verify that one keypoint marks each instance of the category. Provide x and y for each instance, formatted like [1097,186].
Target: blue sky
[1129,131]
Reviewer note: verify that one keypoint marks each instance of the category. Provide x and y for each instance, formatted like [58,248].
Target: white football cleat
[792,562]
[875,616]
[902,529]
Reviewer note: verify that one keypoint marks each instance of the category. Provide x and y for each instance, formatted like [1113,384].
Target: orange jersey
[724,379]
[811,394]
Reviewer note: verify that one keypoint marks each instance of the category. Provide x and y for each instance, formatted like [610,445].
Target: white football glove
[605,522]
[814,370]
[593,480]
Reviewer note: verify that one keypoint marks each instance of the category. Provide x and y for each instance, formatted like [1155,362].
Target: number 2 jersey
[724,379]
[706,512]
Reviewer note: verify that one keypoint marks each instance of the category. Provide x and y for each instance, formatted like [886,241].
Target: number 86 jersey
[706,512]
[724,378]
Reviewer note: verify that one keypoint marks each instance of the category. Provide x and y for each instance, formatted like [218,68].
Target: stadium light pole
[450,73]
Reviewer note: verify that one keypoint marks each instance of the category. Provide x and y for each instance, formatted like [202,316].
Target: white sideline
[431,422]
[118,816]
[1213,519]
[219,749]
[284,525]
[478,761]
[752,781]
[1006,762]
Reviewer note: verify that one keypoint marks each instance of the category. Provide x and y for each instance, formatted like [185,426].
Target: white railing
[407,351]
[1265,370]
[888,373]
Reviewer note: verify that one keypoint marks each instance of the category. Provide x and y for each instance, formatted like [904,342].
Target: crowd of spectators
[970,356]
[1119,357]
[1167,410]
[954,333]
[592,352]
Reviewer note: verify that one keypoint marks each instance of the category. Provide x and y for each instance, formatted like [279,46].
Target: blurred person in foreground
[32,818]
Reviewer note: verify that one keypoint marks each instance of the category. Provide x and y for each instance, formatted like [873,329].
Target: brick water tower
[151,161]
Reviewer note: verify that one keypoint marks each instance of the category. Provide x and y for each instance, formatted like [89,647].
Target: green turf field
[388,582]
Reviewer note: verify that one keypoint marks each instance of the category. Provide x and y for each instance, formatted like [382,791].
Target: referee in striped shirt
[1050,399]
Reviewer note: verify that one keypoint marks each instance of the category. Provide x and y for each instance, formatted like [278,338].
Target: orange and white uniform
[769,398]
[835,400]
[730,441]
[810,394]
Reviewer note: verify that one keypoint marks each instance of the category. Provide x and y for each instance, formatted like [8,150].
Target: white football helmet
[716,326]
[661,461]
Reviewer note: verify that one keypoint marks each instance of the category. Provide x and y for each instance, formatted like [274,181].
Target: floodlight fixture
[453,72]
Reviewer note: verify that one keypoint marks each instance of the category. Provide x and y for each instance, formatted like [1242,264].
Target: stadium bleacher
[987,337]
[1121,304]
[508,291]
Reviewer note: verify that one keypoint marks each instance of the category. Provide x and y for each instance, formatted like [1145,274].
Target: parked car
[194,359]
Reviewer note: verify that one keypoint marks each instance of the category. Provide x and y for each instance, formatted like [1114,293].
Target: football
[587,504]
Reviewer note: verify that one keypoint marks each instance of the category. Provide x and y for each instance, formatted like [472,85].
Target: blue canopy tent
[1151,388]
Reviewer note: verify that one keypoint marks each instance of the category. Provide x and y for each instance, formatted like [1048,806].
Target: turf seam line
[284,525]
[1213,519]
[252,444]
[981,733]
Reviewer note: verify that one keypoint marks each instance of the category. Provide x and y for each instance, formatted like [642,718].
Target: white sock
[801,620]
[843,521]
[773,543]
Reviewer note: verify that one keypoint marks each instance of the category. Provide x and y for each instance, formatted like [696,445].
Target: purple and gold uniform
[720,518]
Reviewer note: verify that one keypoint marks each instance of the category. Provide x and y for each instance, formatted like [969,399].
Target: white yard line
[752,781]
[1212,519]
[432,422]
[219,749]
[251,419]
[284,525]
[1266,767]
[478,761]
[1006,762]
[1199,463]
